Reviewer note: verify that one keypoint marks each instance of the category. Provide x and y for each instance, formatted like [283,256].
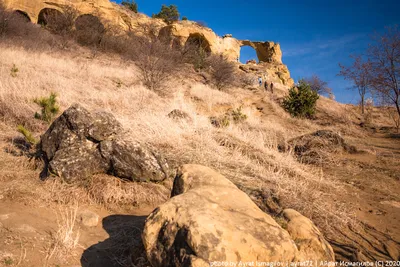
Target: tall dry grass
[252,162]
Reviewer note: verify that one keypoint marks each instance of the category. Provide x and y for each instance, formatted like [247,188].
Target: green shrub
[220,122]
[168,13]
[237,115]
[130,5]
[224,121]
[27,134]
[184,18]
[301,100]
[49,108]
[14,71]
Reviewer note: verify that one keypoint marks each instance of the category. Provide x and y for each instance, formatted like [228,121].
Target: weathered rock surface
[209,219]
[80,143]
[308,238]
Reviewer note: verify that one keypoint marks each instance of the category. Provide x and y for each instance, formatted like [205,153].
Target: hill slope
[353,198]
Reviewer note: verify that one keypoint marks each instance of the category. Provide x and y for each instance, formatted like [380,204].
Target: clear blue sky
[314,35]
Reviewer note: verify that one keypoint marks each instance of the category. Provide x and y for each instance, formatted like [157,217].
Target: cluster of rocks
[209,219]
[80,143]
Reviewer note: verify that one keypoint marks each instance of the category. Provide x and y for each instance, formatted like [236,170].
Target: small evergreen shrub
[220,122]
[184,18]
[14,71]
[49,107]
[169,14]
[131,5]
[237,115]
[301,100]
[233,115]
[27,134]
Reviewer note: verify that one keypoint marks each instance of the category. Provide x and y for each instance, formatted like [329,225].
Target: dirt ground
[372,182]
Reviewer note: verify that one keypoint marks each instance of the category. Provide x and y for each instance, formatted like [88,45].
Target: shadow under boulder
[80,143]
[124,247]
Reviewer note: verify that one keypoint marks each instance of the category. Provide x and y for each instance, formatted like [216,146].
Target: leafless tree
[318,85]
[359,73]
[384,54]
[157,62]
[61,23]
[222,71]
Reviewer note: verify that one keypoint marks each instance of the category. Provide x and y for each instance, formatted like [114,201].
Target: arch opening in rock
[49,16]
[248,54]
[198,42]
[23,15]
[89,29]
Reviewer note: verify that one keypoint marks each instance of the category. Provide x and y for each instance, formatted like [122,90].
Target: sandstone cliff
[180,32]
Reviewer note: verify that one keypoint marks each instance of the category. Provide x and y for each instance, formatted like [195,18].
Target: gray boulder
[80,143]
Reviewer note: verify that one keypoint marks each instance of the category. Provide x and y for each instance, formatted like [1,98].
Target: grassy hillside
[248,151]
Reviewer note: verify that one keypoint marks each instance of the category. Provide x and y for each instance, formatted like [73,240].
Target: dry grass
[65,239]
[254,162]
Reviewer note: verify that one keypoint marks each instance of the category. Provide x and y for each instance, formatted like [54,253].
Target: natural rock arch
[23,15]
[249,59]
[46,15]
[199,41]
[266,51]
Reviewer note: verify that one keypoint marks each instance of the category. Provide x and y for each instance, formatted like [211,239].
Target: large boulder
[209,219]
[308,238]
[80,143]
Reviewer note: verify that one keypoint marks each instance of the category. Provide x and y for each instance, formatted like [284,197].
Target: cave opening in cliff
[89,29]
[197,41]
[248,54]
[23,15]
[48,16]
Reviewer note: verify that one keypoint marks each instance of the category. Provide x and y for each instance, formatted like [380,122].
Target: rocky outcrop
[80,143]
[209,219]
[271,72]
[182,31]
[179,33]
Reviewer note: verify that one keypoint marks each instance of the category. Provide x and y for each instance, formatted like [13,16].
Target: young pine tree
[301,100]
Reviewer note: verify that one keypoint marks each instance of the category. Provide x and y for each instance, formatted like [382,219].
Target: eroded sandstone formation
[209,219]
[181,32]
[79,144]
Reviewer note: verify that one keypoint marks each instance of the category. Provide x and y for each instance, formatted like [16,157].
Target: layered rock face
[182,32]
[80,143]
[209,219]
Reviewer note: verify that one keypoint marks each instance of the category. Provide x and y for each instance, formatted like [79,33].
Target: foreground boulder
[80,143]
[209,219]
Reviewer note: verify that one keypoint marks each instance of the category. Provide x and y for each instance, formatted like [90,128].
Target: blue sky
[314,35]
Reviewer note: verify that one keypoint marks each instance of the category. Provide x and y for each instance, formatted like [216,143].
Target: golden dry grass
[112,85]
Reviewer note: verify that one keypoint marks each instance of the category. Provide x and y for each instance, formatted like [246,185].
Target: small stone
[88,218]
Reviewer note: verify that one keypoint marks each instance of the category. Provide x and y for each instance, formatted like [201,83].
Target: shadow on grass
[124,247]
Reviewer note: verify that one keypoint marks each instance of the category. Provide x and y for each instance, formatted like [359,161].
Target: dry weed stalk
[66,238]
